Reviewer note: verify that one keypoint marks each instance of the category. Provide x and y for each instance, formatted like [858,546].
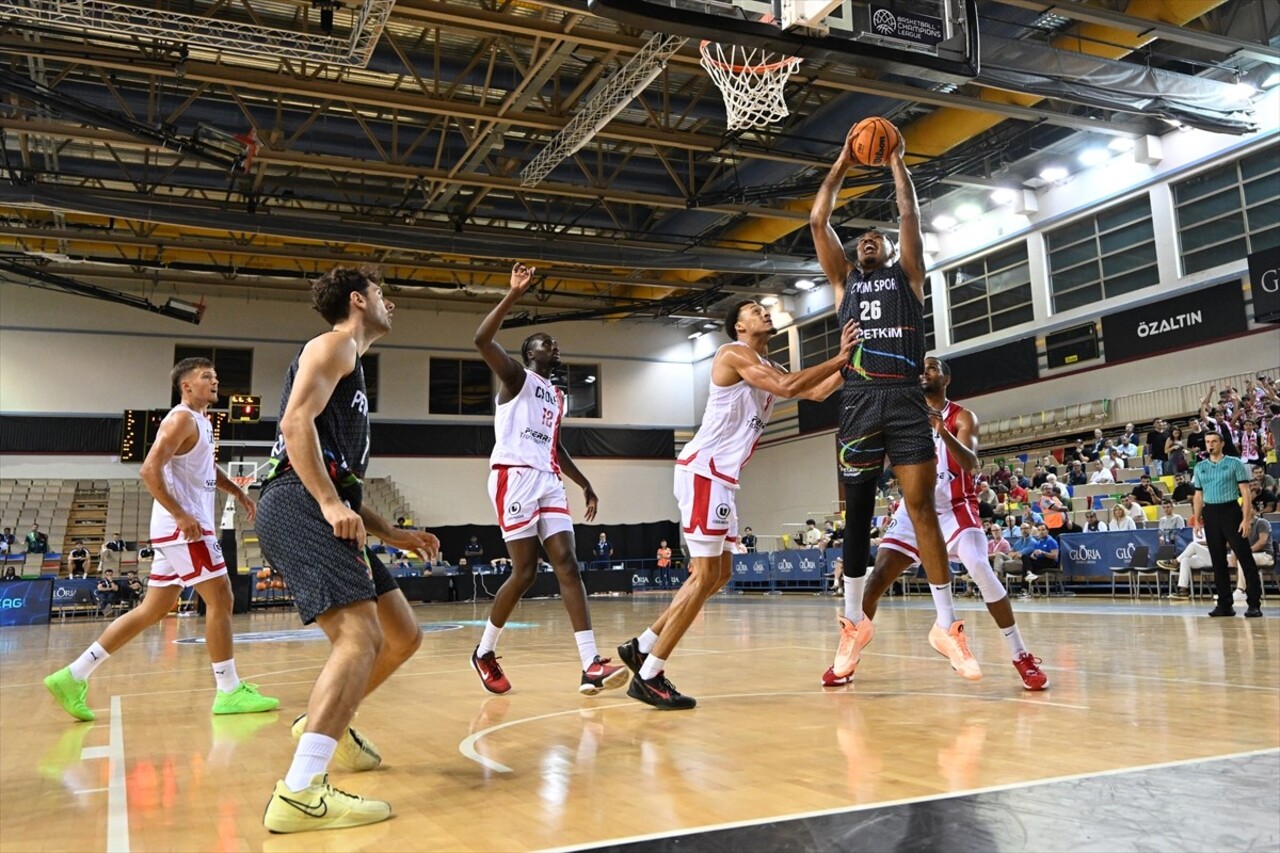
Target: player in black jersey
[882,407]
[312,526]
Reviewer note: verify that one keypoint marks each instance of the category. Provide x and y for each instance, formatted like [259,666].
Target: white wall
[788,482]
[63,353]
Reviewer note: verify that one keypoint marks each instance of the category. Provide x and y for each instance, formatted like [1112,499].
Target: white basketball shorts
[529,502]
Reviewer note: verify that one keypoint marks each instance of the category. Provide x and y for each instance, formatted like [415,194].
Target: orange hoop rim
[743,69]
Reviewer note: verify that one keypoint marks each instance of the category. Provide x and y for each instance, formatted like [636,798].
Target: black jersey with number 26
[892,322]
[343,427]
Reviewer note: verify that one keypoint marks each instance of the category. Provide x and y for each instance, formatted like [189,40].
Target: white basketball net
[751,81]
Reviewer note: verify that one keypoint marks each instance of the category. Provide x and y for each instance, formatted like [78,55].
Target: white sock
[647,641]
[92,657]
[489,642]
[853,588]
[311,757]
[1013,637]
[652,666]
[586,641]
[225,674]
[944,604]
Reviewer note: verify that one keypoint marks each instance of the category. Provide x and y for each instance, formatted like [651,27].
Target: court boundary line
[906,801]
[117,791]
[467,746]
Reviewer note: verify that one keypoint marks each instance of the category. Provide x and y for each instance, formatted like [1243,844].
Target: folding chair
[1138,561]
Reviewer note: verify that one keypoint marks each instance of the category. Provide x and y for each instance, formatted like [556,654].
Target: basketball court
[1159,731]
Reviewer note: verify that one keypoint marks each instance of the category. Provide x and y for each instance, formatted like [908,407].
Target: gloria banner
[1215,312]
[1264,284]
[1093,555]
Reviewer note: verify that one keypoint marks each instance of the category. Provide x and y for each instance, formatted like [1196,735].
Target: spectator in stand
[749,540]
[1113,463]
[887,482]
[1175,452]
[474,552]
[1076,452]
[10,573]
[837,536]
[1018,493]
[1263,501]
[1135,511]
[1039,552]
[1260,547]
[116,544]
[130,589]
[1098,446]
[1050,464]
[1145,493]
[1069,526]
[812,536]
[37,541]
[664,566]
[1052,511]
[602,551]
[1101,474]
[1030,515]
[1020,532]
[6,541]
[1127,448]
[106,591]
[1169,522]
[1195,440]
[1183,491]
[1218,419]
[1075,474]
[1157,442]
[1120,519]
[1022,478]
[1263,479]
[1194,556]
[1002,503]
[1252,443]
[1002,476]
[81,565]
[1092,524]
[1001,553]
[1038,476]
[1129,436]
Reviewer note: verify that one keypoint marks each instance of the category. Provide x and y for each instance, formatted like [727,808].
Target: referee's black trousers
[1222,529]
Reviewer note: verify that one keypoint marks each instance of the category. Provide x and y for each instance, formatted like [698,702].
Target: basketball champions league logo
[884,22]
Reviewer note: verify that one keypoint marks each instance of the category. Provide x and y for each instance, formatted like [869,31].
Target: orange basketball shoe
[954,646]
[853,639]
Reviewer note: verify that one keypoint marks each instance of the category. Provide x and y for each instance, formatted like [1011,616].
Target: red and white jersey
[527,426]
[192,479]
[956,487]
[735,417]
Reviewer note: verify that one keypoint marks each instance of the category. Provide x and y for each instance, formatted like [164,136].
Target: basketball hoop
[751,81]
[244,482]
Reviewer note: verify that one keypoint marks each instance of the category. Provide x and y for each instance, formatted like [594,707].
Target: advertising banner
[1215,312]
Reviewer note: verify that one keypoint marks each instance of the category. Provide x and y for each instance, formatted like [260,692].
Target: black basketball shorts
[322,571]
[876,422]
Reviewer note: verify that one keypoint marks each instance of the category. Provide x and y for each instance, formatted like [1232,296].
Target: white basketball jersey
[527,426]
[191,478]
[735,417]
[955,486]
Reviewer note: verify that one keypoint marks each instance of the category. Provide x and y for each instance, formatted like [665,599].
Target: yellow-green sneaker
[320,806]
[355,752]
[245,699]
[71,694]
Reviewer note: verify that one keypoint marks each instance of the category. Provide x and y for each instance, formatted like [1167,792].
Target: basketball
[872,141]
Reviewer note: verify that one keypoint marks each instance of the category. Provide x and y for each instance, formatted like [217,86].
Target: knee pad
[979,568]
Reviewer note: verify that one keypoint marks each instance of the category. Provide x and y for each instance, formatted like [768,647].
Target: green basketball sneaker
[245,699]
[71,693]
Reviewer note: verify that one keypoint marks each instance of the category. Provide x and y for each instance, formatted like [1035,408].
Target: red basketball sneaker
[490,671]
[1028,666]
[601,676]
[830,679]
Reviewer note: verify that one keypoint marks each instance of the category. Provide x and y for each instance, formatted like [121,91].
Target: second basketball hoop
[751,80]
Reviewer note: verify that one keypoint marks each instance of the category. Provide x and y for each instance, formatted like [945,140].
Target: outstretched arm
[831,256]
[509,371]
[737,363]
[911,248]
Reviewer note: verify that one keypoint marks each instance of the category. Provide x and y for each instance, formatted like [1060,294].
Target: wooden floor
[543,767]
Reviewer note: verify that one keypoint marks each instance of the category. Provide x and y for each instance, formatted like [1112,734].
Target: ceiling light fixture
[1273,80]
[1053,174]
[1121,144]
[805,284]
[1094,156]
[1003,195]
[968,211]
[768,301]
[943,222]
